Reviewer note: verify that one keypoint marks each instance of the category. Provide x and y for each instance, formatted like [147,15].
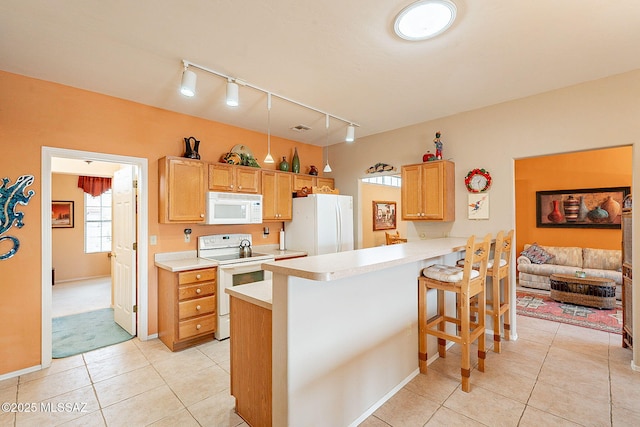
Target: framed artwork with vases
[581,208]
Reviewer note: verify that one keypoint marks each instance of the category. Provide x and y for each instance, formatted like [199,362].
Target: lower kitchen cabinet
[186,307]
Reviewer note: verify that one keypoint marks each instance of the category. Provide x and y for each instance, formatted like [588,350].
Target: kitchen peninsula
[344,329]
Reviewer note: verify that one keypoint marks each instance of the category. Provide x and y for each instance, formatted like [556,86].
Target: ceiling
[339,57]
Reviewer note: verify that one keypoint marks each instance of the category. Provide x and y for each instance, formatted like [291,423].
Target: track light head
[351,133]
[188,84]
[232,94]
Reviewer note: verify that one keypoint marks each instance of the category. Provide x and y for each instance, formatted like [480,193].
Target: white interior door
[123,254]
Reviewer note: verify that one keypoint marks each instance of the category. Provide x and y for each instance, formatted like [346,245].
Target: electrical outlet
[153,240]
[187,235]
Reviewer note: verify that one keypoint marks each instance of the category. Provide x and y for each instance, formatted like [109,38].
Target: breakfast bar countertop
[257,293]
[352,263]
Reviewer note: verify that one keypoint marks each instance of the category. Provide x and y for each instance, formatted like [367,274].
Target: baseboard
[20,372]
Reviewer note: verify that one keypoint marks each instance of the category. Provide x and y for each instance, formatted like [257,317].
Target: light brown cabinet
[181,190]
[276,196]
[428,191]
[186,307]
[251,361]
[309,181]
[235,179]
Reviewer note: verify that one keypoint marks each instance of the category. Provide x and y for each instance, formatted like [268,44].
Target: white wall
[602,113]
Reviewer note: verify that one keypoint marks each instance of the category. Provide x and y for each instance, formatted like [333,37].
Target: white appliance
[233,208]
[233,270]
[322,224]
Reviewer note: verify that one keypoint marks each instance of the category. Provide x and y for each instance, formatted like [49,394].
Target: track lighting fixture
[232,93]
[188,88]
[351,133]
[268,159]
[327,168]
[188,84]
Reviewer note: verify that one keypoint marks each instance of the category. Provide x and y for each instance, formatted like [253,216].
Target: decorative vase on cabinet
[284,165]
[295,162]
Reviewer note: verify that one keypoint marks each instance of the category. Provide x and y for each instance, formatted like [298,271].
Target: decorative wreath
[474,172]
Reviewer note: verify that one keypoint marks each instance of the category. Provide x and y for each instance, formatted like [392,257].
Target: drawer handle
[198,327]
[197,307]
[198,276]
[198,291]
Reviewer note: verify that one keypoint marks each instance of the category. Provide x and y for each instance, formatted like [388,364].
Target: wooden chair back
[393,239]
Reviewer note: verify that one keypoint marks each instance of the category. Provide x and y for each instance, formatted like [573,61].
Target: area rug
[79,333]
[543,307]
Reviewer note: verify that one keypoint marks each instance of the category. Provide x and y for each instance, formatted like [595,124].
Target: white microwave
[233,208]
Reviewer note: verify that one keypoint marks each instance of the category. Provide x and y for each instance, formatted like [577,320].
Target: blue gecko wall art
[10,197]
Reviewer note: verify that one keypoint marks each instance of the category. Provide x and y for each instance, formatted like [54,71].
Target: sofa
[537,262]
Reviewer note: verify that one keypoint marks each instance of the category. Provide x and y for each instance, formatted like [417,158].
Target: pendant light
[268,159]
[327,168]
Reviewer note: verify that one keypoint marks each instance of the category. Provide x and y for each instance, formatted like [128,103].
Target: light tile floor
[554,374]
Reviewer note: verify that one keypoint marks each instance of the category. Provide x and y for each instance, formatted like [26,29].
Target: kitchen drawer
[196,307]
[197,276]
[197,326]
[197,290]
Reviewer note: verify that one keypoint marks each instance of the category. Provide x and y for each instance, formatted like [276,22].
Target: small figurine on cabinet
[313,170]
[438,144]
[191,153]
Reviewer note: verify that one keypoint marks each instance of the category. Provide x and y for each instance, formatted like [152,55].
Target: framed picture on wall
[61,214]
[581,208]
[384,215]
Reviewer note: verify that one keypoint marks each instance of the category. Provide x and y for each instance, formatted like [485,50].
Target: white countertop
[351,263]
[258,293]
[182,261]
[188,260]
[275,251]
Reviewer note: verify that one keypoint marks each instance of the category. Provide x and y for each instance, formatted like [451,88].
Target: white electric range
[233,270]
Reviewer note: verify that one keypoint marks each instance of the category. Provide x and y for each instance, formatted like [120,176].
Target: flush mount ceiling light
[425,19]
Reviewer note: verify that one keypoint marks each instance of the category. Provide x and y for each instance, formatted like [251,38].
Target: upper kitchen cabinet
[276,196]
[428,191]
[182,190]
[235,179]
[309,181]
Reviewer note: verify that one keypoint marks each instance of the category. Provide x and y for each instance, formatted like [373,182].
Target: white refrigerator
[322,224]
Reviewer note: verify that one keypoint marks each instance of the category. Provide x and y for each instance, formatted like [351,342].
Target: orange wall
[36,113]
[589,169]
[67,244]
[369,193]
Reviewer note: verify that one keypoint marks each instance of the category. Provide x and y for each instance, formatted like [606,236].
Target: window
[390,180]
[97,223]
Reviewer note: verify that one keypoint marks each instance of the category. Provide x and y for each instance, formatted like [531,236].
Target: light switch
[153,240]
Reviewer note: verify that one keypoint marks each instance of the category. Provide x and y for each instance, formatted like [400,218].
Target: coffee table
[595,292]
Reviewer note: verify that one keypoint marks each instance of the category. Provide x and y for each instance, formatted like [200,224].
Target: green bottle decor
[295,162]
[284,166]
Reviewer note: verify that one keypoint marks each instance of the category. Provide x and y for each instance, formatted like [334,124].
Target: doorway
[141,255]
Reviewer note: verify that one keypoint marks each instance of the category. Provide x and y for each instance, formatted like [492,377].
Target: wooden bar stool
[393,239]
[466,282]
[499,270]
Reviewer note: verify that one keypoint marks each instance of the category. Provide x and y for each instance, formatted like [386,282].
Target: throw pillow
[536,254]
